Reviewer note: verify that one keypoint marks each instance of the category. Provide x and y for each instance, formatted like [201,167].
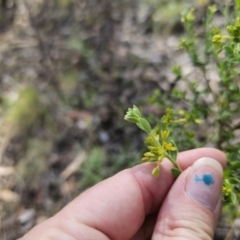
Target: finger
[116,208]
[187,158]
[192,206]
[146,230]
[113,209]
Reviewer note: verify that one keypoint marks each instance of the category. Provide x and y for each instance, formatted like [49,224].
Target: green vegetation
[205,103]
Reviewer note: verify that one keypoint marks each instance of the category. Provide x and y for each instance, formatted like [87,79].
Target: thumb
[192,206]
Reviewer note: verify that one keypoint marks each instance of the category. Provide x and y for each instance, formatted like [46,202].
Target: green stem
[173,162]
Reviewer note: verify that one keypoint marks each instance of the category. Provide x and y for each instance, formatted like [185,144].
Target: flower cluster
[185,44]
[169,117]
[234,33]
[234,30]
[218,38]
[227,190]
[189,16]
[159,146]
[134,115]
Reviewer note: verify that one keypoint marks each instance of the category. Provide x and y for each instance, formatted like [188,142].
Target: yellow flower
[217,38]
[152,149]
[145,159]
[198,121]
[227,191]
[182,112]
[156,171]
[165,134]
[156,136]
[150,141]
[169,146]
[181,120]
[149,154]
[161,151]
[189,17]
[160,158]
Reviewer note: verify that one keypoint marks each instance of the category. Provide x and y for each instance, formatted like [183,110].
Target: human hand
[133,205]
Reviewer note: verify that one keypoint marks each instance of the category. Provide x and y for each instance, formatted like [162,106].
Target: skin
[133,205]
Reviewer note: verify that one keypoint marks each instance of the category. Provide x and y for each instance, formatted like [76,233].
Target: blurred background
[69,69]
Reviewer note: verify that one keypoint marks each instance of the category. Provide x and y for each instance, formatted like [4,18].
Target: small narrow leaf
[144,125]
[233,180]
[226,174]
[235,165]
[229,50]
[233,197]
[175,172]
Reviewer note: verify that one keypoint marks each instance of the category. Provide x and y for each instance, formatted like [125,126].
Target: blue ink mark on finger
[208,179]
[197,179]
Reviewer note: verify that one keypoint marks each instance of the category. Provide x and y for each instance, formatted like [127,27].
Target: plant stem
[173,162]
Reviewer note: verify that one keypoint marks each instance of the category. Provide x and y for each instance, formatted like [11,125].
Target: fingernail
[204,182]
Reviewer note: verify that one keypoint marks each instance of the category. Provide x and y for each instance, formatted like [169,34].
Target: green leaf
[177,70]
[227,184]
[178,94]
[233,180]
[226,173]
[229,50]
[144,125]
[175,172]
[212,9]
[233,197]
[235,165]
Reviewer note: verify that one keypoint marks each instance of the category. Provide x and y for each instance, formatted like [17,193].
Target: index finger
[116,208]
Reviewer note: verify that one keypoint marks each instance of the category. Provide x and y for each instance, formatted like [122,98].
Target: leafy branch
[158,144]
